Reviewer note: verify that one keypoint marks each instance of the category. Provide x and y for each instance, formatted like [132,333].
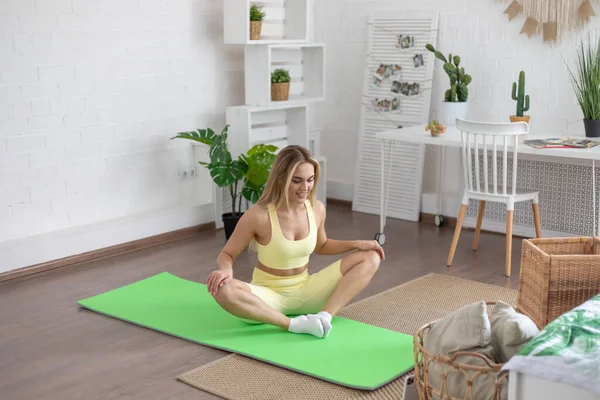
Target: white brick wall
[90,93]
[490,47]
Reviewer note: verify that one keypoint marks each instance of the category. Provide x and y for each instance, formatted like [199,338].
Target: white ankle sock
[303,324]
[325,318]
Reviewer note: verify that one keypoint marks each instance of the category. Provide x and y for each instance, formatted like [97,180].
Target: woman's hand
[217,279]
[371,245]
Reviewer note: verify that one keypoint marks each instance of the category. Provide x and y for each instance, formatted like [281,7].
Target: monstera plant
[250,171]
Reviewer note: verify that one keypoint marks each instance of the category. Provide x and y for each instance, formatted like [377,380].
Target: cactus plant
[459,80]
[521,98]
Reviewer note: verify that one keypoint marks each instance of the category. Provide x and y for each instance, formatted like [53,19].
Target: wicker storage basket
[557,275]
[280,91]
[487,374]
[255,29]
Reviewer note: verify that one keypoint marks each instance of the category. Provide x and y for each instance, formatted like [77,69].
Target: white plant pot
[452,110]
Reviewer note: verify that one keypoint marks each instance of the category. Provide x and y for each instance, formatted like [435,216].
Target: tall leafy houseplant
[251,170]
[455,98]
[586,84]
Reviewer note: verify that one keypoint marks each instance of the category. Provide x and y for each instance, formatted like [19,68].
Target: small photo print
[395,87]
[376,81]
[385,105]
[418,59]
[405,41]
[409,89]
[387,70]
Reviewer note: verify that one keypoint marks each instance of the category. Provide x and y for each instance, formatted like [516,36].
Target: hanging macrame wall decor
[551,18]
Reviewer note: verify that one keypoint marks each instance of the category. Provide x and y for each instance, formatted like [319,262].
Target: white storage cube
[277,125]
[305,62]
[285,21]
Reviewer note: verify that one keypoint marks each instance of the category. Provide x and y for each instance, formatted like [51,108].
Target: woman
[285,226]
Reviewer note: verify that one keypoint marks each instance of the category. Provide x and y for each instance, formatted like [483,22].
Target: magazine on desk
[561,143]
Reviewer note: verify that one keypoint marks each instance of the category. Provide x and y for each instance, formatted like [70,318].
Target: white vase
[449,111]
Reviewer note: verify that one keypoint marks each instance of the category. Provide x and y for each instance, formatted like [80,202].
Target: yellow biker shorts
[298,294]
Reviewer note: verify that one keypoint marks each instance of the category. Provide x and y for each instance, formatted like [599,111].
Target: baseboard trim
[106,252]
[340,202]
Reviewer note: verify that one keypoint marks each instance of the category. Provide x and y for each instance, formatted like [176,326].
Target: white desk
[452,138]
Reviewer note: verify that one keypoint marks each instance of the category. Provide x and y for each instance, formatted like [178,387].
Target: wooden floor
[52,349]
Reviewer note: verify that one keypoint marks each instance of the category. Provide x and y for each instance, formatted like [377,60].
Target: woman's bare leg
[357,269]
[236,298]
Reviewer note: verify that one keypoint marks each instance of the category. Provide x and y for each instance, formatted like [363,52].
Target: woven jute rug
[404,308]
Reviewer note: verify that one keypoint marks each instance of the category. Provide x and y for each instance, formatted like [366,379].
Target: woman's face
[303,180]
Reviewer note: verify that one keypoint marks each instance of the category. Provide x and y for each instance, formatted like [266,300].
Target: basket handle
[471,354]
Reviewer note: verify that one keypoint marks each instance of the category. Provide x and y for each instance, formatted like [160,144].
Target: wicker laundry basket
[557,275]
[488,374]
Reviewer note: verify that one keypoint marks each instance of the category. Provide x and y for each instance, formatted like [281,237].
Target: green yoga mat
[354,354]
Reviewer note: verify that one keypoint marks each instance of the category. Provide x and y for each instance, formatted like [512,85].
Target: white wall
[492,51]
[90,93]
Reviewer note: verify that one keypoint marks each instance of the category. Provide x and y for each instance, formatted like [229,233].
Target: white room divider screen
[396,93]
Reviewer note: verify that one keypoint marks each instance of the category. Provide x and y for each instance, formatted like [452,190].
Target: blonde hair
[277,186]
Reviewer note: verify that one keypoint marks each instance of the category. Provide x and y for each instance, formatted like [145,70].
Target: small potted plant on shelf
[522,100]
[256,17]
[251,170]
[280,84]
[455,99]
[435,128]
[586,84]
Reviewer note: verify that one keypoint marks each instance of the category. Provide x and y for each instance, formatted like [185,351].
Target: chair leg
[536,220]
[459,222]
[479,221]
[509,227]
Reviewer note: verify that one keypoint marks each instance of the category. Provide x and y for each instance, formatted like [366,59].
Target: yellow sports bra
[281,253]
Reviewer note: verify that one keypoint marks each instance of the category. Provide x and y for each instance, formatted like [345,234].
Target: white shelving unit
[278,125]
[305,62]
[284,43]
[285,21]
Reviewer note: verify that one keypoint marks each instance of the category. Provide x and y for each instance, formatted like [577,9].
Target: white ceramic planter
[449,111]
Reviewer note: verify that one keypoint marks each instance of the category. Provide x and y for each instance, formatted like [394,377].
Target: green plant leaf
[205,136]
[456,60]
[226,174]
[219,153]
[256,13]
[260,159]
[262,148]
[585,79]
[280,75]
[450,69]
[441,56]
[252,192]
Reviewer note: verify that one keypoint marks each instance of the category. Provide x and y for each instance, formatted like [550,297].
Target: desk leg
[380,236]
[439,218]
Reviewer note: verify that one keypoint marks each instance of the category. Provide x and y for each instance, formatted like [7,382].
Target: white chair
[484,135]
